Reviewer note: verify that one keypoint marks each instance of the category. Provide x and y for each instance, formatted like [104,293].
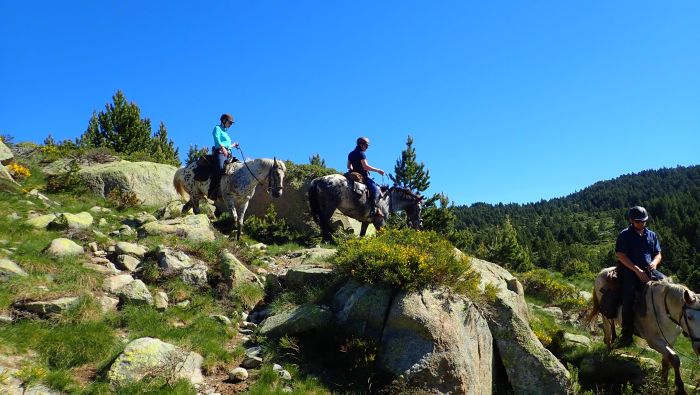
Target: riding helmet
[638,213]
[362,140]
[226,117]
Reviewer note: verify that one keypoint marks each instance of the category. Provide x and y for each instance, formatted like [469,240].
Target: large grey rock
[6,154]
[152,357]
[152,183]
[192,227]
[361,309]
[4,173]
[127,262]
[299,320]
[62,247]
[439,341]
[10,269]
[531,368]
[72,221]
[135,292]
[304,276]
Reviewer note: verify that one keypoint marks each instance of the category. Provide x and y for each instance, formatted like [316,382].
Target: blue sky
[507,101]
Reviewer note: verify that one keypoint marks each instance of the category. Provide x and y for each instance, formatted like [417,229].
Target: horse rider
[357,162]
[221,151]
[638,250]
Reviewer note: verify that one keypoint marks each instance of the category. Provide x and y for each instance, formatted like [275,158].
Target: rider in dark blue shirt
[357,161]
[639,251]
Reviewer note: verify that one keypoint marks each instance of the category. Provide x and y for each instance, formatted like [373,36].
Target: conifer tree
[120,128]
[409,173]
[315,159]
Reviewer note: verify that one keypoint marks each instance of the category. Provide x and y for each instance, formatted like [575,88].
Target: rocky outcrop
[152,357]
[6,154]
[192,227]
[152,183]
[531,368]
[10,269]
[72,221]
[299,320]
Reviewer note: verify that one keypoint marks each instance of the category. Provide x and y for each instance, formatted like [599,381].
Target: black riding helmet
[638,213]
[226,117]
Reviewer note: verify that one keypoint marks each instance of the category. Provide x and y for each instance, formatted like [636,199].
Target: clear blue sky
[508,101]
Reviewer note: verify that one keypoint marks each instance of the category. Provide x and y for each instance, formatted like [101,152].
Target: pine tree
[410,174]
[315,159]
[120,128]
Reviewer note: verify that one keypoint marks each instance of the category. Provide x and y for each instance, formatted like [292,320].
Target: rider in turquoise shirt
[221,151]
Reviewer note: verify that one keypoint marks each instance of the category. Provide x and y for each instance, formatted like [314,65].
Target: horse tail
[594,311]
[179,185]
[313,202]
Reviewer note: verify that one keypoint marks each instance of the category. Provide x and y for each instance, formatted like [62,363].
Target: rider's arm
[350,165]
[367,167]
[656,261]
[622,257]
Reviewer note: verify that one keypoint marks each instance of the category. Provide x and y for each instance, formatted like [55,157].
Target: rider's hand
[224,151]
[234,145]
[641,274]
[380,171]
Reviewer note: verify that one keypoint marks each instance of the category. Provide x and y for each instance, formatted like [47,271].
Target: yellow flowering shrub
[18,171]
[407,259]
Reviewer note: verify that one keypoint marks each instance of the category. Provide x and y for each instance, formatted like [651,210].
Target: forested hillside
[576,233]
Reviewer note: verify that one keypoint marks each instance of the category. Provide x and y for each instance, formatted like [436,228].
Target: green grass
[269,382]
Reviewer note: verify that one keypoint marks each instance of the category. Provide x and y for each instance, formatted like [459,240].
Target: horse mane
[406,191]
[269,162]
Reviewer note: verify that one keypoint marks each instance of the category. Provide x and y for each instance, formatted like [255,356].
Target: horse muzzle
[275,192]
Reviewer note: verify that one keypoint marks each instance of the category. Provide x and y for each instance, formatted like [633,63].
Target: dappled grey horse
[335,191]
[671,309]
[238,185]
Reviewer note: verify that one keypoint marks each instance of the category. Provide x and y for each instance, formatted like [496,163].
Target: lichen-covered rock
[113,283]
[132,249]
[171,210]
[62,247]
[4,173]
[48,307]
[72,221]
[192,227]
[304,276]
[361,309]
[235,273]
[127,262]
[152,357]
[195,276]
[41,221]
[152,183]
[161,300]
[9,269]
[299,320]
[170,259]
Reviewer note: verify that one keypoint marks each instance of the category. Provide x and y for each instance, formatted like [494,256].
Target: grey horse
[671,309]
[335,191]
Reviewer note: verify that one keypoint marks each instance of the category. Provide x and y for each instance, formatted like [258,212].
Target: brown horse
[671,309]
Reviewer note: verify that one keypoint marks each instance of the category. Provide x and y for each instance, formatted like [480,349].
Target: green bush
[269,229]
[407,259]
[68,181]
[542,284]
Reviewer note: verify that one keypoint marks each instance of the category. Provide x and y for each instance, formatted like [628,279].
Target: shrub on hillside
[300,174]
[407,259]
[66,181]
[269,229]
[18,171]
[542,284]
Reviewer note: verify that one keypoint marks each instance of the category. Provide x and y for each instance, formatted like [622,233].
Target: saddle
[357,183]
[206,165]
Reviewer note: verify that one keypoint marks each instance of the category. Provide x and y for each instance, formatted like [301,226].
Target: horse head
[275,178]
[689,319]
[411,203]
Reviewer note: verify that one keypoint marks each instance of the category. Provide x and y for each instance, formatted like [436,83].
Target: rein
[686,332]
[269,173]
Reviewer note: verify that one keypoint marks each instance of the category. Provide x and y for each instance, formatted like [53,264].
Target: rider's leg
[217,171]
[630,283]
[374,195]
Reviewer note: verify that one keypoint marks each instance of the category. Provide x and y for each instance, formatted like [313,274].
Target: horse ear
[688,297]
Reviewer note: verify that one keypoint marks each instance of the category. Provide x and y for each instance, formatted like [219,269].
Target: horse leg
[231,207]
[186,207]
[241,215]
[669,357]
[363,229]
[608,331]
[195,204]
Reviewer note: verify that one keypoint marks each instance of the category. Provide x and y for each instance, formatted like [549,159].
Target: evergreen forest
[576,234]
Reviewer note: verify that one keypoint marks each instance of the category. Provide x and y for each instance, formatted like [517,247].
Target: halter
[686,332]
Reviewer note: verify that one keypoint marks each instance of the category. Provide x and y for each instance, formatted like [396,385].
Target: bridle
[413,196]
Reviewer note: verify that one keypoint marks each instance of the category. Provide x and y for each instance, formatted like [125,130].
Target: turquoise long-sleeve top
[221,138]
